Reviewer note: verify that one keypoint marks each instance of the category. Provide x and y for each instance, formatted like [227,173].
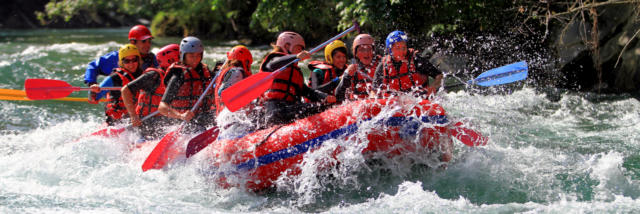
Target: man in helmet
[403,70]
[324,74]
[185,82]
[150,87]
[140,36]
[129,61]
[283,100]
[356,83]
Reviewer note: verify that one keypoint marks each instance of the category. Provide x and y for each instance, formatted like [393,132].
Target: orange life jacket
[115,107]
[361,85]
[329,71]
[405,77]
[148,101]
[192,87]
[287,84]
[219,79]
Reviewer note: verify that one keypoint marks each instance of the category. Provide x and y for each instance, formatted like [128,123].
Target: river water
[574,153]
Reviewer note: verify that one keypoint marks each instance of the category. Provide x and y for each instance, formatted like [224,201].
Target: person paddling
[357,80]
[150,87]
[140,36]
[129,61]
[186,81]
[404,70]
[282,101]
[324,73]
[236,68]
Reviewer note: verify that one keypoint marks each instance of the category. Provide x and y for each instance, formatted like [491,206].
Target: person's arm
[279,61]
[169,95]
[101,66]
[316,96]
[424,66]
[144,82]
[127,99]
[345,82]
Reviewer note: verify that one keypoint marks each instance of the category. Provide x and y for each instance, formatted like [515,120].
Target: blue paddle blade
[502,75]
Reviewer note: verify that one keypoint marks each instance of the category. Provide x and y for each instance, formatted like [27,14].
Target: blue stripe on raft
[312,143]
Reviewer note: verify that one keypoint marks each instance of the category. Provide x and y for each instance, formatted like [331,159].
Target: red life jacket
[403,78]
[361,85]
[115,107]
[192,87]
[219,79]
[287,84]
[329,71]
[148,101]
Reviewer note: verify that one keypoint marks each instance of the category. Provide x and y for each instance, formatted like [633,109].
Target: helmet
[190,44]
[328,51]
[241,53]
[126,51]
[168,55]
[362,39]
[395,36]
[139,32]
[291,38]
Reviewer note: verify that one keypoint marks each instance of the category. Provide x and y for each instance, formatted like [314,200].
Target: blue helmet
[190,45]
[395,36]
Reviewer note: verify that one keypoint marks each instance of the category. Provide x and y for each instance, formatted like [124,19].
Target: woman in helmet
[283,100]
[186,81]
[356,83]
[150,88]
[404,70]
[129,61]
[236,68]
[325,73]
[140,36]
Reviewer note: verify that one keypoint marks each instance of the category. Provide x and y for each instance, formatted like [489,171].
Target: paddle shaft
[75,88]
[275,73]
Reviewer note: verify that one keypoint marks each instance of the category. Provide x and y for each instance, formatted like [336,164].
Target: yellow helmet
[127,50]
[331,47]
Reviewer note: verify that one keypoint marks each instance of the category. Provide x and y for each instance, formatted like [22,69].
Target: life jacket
[192,87]
[148,101]
[361,85]
[286,85]
[404,77]
[115,107]
[218,99]
[328,70]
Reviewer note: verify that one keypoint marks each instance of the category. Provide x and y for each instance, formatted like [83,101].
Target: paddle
[201,141]
[20,95]
[245,91]
[498,76]
[45,89]
[112,131]
[468,136]
[156,159]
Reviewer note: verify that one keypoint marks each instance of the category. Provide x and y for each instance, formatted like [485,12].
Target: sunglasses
[127,61]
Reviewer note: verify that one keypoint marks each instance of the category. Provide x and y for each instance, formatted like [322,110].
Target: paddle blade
[247,90]
[502,75]
[158,157]
[468,136]
[44,89]
[201,141]
[108,132]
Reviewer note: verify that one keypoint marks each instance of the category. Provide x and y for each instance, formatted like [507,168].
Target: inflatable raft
[263,156]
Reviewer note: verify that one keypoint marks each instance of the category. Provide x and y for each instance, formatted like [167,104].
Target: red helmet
[362,39]
[240,52]
[291,38]
[139,32]
[168,55]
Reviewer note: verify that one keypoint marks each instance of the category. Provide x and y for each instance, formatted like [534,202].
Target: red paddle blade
[245,91]
[44,89]
[468,136]
[201,141]
[108,132]
[158,158]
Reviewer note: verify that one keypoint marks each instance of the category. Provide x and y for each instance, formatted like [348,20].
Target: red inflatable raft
[263,156]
